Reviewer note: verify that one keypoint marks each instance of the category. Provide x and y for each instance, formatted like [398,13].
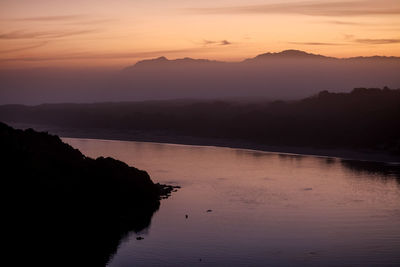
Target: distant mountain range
[291,54]
[290,74]
[286,54]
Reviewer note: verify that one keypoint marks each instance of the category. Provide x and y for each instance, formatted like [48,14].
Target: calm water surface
[268,209]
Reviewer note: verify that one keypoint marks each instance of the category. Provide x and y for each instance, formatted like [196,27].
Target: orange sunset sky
[103,33]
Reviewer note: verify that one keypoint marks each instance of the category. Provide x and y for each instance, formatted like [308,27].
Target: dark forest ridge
[365,119]
[287,75]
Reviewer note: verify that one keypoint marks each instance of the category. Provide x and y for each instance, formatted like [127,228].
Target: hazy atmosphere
[212,133]
[58,51]
[101,33]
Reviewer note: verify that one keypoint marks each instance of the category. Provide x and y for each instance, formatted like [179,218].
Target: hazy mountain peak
[374,58]
[162,61]
[293,52]
[290,53]
[162,58]
[149,62]
[153,60]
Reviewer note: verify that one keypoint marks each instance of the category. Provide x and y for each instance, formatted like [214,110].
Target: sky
[118,33]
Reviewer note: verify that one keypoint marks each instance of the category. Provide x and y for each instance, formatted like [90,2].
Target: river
[252,208]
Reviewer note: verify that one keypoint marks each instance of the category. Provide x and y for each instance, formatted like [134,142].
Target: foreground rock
[65,209]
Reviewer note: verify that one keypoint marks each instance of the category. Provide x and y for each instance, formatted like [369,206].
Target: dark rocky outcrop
[62,208]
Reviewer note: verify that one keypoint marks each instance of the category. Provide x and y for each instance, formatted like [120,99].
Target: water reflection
[381,170]
[374,169]
[267,208]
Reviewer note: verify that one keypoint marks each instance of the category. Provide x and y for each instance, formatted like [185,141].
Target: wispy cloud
[44,34]
[372,41]
[90,21]
[377,41]
[52,18]
[77,19]
[311,8]
[315,43]
[351,39]
[222,42]
[23,48]
[208,42]
[225,42]
[68,19]
[339,22]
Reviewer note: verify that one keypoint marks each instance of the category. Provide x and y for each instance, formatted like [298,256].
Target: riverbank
[165,137]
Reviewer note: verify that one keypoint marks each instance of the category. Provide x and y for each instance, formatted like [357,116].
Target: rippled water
[268,209]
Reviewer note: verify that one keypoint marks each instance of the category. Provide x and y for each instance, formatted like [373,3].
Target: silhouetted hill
[290,54]
[290,74]
[365,119]
[65,209]
[287,54]
[164,62]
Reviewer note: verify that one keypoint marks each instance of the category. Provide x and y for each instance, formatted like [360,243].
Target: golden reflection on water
[267,208]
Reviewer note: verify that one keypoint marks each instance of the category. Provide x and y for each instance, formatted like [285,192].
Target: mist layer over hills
[290,74]
[365,119]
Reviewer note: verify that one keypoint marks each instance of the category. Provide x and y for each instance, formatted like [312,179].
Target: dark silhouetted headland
[62,208]
[363,120]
